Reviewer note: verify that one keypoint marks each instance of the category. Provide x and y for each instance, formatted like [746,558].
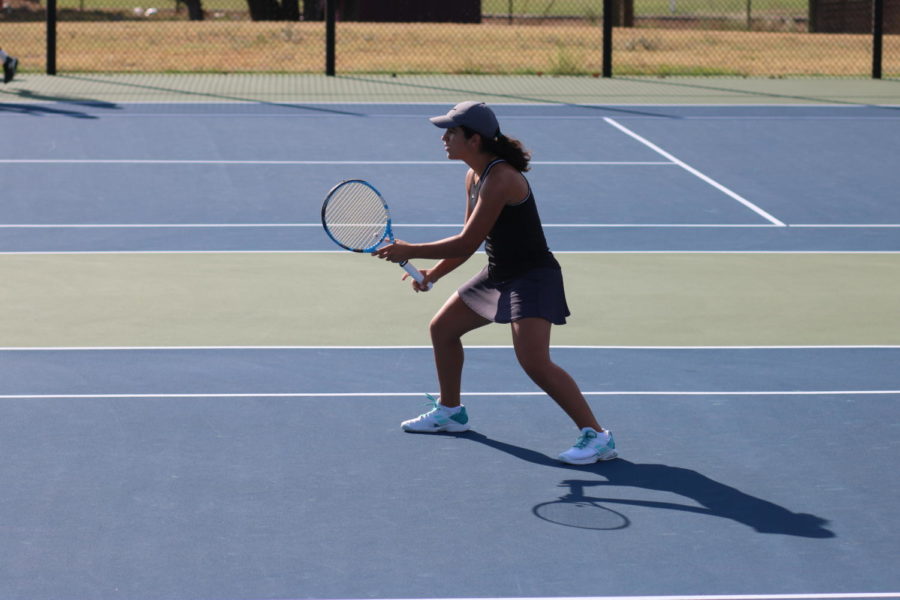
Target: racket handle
[414,272]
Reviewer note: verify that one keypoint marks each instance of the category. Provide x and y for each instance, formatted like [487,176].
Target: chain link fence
[742,38]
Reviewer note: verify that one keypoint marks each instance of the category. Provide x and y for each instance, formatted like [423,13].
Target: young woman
[521,285]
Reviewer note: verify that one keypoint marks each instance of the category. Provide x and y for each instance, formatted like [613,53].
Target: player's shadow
[714,498]
[36,104]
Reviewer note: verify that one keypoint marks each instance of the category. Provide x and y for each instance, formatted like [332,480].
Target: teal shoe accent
[461,417]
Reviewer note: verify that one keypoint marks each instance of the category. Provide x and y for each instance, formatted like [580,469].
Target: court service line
[134,396]
[420,225]
[128,161]
[446,225]
[844,225]
[695,172]
[822,596]
[380,348]
[558,252]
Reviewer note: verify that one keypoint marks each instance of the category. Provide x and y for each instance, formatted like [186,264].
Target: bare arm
[505,186]
[448,265]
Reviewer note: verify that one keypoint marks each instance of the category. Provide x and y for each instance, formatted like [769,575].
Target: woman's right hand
[426,284]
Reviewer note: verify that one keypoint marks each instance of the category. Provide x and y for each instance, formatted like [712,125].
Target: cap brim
[443,121]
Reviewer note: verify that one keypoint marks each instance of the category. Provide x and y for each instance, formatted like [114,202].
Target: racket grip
[414,272]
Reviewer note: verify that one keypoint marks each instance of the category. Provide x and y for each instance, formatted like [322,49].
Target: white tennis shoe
[438,419]
[590,447]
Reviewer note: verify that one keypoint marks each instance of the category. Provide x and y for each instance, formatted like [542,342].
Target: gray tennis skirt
[538,292]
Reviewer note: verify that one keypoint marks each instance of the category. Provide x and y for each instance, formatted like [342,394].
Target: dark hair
[509,149]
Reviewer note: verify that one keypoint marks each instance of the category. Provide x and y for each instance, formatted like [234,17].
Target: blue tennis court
[200,396]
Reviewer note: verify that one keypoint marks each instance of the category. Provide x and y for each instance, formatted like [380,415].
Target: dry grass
[441,48]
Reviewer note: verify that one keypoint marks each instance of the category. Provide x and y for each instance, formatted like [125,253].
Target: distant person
[10,64]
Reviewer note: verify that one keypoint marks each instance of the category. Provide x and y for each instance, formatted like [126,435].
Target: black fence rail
[600,38]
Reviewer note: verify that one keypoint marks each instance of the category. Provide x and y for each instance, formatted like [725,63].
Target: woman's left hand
[397,252]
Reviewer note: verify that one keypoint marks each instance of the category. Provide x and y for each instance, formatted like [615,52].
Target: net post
[877,37]
[330,37]
[51,37]
[608,17]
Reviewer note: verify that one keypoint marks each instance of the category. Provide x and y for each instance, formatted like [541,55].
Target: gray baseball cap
[474,115]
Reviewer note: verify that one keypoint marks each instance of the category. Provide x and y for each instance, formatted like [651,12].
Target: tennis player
[521,285]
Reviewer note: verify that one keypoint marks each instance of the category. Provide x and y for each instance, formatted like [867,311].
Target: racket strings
[356,217]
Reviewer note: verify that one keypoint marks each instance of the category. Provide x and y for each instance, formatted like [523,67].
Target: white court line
[128,161]
[163,225]
[444,225]
[843,225]
[788,103]
[558,252]
[631,117]
[467,394]
[696,173]
[825,596]
[425,347]
[422,225]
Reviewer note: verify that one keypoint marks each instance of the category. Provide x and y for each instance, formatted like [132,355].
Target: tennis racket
[357,218]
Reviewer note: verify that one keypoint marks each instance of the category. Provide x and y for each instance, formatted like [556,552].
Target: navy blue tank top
[516,243]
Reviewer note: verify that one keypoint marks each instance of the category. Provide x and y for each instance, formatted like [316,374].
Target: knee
[440,331]
[535,365]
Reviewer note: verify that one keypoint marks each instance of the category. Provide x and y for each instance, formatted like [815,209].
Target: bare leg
[451,322]
[531,339]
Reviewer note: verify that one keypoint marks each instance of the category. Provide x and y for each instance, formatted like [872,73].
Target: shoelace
[432,404]
[583,440]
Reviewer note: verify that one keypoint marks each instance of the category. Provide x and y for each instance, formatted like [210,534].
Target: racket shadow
[714,498]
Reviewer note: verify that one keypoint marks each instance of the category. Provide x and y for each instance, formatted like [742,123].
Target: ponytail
[509,149]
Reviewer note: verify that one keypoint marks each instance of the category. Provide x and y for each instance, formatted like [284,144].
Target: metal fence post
[51,37]
[329,37]
[877,37]
[608,16]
